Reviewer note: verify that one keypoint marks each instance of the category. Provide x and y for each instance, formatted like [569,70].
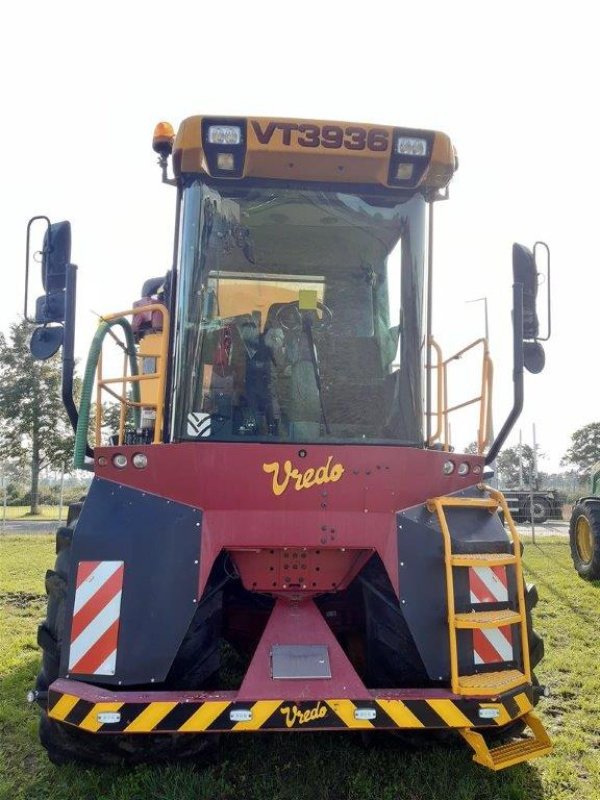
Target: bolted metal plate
[300,661]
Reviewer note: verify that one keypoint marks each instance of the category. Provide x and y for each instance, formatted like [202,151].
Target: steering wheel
[291,318]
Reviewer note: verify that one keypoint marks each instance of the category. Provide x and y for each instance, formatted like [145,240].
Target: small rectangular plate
[300,661]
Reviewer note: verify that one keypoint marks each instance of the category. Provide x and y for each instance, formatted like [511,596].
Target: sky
[514,84]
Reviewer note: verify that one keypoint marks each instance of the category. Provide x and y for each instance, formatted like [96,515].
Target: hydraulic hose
[81,435]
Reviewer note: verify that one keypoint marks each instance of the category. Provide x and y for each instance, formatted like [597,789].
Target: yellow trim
[400,714]
[261,711]
[150,717]
[345,710]
[204,716]
[270,155]
[90,723]
[523,702]
[450,713]
[64,706]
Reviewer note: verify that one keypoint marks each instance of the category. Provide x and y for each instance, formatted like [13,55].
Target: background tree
[472,448]
[585,448]
[507,467]
[34,427]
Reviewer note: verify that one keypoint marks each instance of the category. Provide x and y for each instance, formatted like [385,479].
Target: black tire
[584,536]
[392,657]
[67,744]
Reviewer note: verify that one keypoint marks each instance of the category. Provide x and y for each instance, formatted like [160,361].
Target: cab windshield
[299,316]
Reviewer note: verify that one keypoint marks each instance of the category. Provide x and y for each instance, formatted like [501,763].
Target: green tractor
[584,531]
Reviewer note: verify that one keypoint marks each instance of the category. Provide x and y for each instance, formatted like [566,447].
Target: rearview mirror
[525,273]
[56,254]
[534,357]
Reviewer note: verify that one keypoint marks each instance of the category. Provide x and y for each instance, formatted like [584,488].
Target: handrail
[127,378]
[440,390]
[94,356]
[484,398]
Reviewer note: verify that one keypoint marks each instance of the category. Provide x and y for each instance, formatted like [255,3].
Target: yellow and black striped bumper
[98,711]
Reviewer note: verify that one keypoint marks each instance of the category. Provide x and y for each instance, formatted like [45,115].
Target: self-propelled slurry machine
[273,476]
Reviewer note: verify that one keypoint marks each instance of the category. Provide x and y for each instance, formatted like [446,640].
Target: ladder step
[482,559]
[506,755]
[487,619]
[466,502]
[490,683]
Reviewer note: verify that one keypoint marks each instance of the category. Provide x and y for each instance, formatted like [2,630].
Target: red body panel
[264,496]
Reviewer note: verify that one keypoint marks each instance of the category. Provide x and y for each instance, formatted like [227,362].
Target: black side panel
[159,542]
[422,578]
[422,581]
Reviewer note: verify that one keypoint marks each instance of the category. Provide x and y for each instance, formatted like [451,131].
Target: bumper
[97,710]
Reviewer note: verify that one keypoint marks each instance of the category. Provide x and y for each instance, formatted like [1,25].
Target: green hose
[81,436]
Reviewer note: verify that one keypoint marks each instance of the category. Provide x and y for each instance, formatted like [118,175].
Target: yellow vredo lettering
[302,480]
[308,479]
[279,488]
[293,715]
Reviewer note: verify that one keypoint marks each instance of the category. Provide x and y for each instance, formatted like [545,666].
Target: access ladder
[489,684]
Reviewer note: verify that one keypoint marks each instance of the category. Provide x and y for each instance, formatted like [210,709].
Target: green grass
[319,766]
[22,513]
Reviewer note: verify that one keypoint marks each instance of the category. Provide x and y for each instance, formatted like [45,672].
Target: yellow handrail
[103,384]
[484,398]
[440,390]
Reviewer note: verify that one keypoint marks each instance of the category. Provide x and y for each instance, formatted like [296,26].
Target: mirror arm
[68,351]
[518,393]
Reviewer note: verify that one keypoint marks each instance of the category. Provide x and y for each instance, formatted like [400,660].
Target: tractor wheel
[584,534]
[68,744]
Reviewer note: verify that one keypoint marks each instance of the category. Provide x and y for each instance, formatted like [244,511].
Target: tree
[472,448]
[34,427]
[507,467]
[585,448]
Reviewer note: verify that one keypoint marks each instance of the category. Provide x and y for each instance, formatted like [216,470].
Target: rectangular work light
[224,145]
[224,134]
[411,146]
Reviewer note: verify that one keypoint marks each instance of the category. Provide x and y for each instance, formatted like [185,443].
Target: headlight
[411,146]
[224,134]
[140,460]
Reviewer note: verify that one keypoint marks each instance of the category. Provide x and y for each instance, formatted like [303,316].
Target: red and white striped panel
[492,645]
[96,614]
[488,585]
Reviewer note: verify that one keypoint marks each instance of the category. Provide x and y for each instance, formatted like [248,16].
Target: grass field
[319,766]
[22,513]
